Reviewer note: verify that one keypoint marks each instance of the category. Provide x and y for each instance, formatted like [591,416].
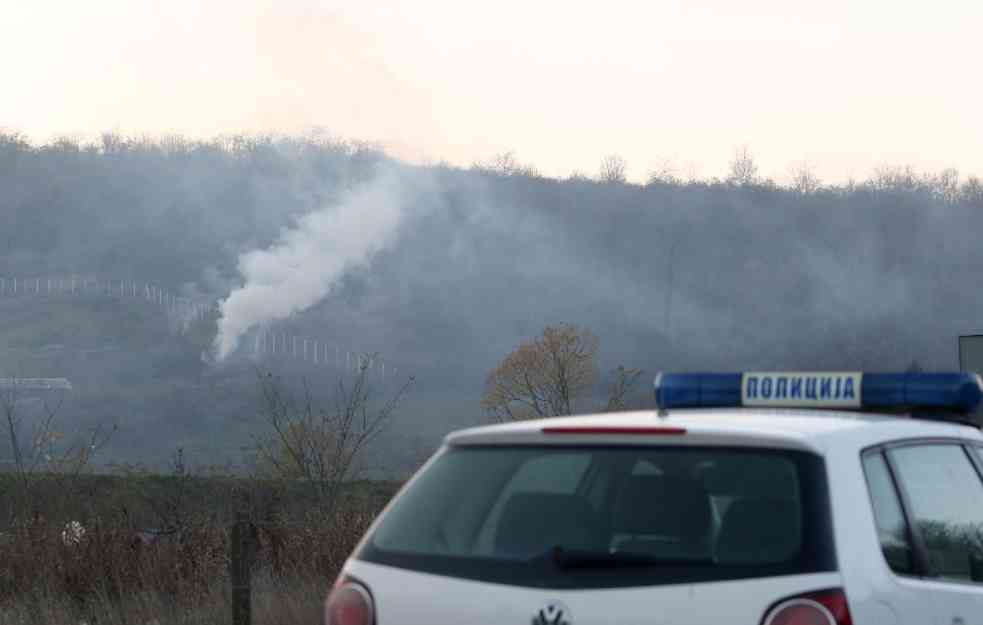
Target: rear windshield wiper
[579,558]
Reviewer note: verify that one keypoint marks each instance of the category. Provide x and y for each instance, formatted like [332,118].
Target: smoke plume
[307,260]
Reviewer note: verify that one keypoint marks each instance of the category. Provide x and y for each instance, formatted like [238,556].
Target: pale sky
[846,85]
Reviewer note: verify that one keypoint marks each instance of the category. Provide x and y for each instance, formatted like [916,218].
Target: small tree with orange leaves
[545,377]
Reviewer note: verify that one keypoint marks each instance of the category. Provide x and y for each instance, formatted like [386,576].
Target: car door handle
[958,620]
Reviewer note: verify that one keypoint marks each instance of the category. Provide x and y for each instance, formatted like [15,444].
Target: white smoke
[307,260]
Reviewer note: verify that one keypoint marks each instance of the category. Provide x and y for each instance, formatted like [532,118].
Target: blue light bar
[960,392]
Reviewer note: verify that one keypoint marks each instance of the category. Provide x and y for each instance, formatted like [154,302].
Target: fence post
[240,570]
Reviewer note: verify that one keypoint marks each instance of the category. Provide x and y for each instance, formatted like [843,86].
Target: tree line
[743,171]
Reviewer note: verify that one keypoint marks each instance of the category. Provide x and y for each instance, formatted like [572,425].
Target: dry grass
[106,578]
[276,601]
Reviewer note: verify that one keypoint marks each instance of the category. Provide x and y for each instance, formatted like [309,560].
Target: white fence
[269,343]
[178,308]
[36,384]
[181,311]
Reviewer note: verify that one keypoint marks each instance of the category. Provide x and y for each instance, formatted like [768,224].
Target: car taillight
[349,603]
[827,607]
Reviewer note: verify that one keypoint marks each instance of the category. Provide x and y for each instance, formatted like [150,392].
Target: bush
[101,572]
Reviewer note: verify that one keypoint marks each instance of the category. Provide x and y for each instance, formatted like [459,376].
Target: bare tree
[578,176]
[692,172]
[804,179]
[664,173]
[946,184]
[113,142]
[743,168]
[506,164]
[319,445]
[971,191]
[624,382]
[12,140]
[891,178]
[37,446]
[544,377]
[67,144]
[613,169]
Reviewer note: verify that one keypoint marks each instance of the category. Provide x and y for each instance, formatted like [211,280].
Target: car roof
[809,429]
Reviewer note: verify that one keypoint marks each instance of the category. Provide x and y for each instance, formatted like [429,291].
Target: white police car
[730,504]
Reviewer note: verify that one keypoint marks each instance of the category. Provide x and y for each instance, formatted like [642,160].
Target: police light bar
[960,392]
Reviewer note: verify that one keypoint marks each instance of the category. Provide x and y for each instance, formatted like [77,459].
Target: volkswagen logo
[555,613]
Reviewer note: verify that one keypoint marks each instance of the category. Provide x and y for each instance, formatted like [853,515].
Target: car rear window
[650,515]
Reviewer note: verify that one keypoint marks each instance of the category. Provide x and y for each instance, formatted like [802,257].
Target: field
[147,549]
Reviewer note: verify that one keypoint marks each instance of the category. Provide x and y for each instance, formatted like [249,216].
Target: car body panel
[876,595]
[412,598]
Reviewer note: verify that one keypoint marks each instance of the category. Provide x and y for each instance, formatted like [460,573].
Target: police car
[752,498]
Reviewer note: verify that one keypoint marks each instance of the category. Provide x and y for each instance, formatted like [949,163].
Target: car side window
[946,497]
[892,529]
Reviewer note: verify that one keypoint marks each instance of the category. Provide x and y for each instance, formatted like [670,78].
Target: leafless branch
[320,445]
[621,388]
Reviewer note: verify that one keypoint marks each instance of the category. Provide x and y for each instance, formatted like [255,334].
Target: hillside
[672,275]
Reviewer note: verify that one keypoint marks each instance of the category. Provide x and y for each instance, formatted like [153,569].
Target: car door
[941,487]
[901,585]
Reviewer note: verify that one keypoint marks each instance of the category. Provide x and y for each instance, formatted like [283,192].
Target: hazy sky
[843,84]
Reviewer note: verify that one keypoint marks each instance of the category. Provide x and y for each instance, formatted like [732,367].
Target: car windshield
[609,515]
